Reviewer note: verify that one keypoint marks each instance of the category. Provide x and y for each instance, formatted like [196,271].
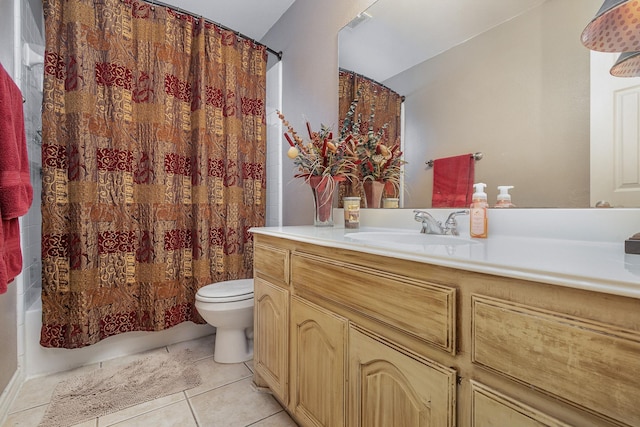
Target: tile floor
[225,398]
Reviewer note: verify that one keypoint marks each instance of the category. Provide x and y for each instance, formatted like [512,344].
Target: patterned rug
[110,389]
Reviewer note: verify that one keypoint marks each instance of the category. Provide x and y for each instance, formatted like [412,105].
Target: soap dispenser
[504,198]
[478,211]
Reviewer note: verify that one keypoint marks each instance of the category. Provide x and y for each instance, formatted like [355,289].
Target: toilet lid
[228,291]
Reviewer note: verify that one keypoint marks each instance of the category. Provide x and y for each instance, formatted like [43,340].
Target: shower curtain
[153,165]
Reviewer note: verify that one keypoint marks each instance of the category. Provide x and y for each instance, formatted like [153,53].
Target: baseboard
[10,393]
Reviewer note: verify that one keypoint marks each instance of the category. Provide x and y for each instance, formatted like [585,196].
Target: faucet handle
[451,224]
[452,216]
[429,224]
[420,215]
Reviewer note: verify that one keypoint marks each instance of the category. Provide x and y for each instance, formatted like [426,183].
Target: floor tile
[215,375]
[226,397]
[125,360]
[38,391]
[140,409]
[176,414]
[234,405]
[89,423]
[281,419]
[27,418]
[201,348]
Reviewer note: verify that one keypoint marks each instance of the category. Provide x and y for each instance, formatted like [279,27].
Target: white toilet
[229,307]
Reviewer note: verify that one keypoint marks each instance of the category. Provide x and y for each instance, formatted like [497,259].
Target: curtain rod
[371,80]
[237,33]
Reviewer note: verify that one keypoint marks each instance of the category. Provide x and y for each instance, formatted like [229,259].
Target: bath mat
[110,389]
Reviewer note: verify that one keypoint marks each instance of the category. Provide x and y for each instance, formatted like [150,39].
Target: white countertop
[600,266]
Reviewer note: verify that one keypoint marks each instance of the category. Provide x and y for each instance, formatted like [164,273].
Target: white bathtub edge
[43,361]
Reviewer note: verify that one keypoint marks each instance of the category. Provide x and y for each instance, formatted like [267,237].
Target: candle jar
[351,212]
[390,202]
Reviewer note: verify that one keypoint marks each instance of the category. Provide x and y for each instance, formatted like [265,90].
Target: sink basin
[399,239]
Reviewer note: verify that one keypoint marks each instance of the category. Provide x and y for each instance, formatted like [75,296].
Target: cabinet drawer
[591,365]
[418,308]
[271,262]
[491,408]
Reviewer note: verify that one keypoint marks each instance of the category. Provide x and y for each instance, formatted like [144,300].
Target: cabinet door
[318,343]
[271,336]
[391,386]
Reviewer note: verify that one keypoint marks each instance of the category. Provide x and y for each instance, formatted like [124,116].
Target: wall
[32,33]
[30,82]
[20,24]
[7,34]
[9,347]
[533,126]
[307,34]
[9,300]
[274,144]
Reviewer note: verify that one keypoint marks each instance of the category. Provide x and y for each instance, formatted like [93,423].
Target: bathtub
[42,361]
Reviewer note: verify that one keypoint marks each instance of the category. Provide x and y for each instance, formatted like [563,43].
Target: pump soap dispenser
[504,198]
[478,211]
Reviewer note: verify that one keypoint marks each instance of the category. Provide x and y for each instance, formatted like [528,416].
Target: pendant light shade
[627,65]
[615,28]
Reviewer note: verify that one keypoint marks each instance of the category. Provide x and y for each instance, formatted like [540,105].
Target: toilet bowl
[229,307]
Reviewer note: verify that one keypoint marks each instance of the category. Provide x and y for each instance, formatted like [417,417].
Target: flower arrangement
[376,161]
[359,157]
[322,162]
[354,154]
[321,155]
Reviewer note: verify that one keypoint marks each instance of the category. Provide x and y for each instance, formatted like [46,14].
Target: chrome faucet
[430,225]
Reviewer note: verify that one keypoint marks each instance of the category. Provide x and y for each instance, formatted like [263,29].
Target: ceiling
[401,34]
[253,18]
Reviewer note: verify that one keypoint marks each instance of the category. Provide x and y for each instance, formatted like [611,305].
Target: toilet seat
[227,291]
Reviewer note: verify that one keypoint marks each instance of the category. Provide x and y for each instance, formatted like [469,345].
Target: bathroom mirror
[513,84]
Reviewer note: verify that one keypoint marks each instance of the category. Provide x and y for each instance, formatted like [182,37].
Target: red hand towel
[453,181]
[12,256]
[16,193]
[4,278]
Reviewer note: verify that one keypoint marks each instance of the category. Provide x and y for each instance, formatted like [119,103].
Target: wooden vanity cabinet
[349,338]
[344,367]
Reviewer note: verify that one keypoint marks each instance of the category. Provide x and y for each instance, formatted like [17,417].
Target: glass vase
[323,188]
[373,193]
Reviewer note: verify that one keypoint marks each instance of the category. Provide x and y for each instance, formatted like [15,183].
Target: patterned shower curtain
[153,166]
[386,105]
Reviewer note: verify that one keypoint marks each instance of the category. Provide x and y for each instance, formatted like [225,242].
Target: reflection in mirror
[508,78]
[370,112]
